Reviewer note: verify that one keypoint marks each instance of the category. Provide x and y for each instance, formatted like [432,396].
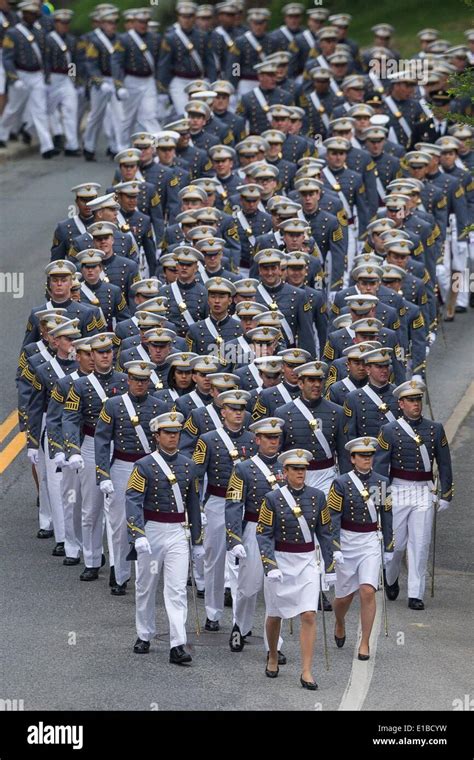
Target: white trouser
[412,508]
[55,495]
[140,108]
[461,264]
[170,553]
[44,512]
[119,475]
[351,252]
[177,93]
[215,556]
[245,85]
[32,97]
[62,95]
[92,515]
[72,505]
[321,479]
[106,113]
[3,78]
[198,571]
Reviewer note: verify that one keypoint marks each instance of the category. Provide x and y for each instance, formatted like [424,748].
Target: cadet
[155,347]
[134,69]
[58,284]
[356,375]
[179,380]
[186,296]
[216,453]
[72,227]
[392,277]
[162,177]
[136,224]
[198,113]
[105,210]
[360,506]
[61,53]
[212,249]
[70,482]
[210,335]
[220,108]
[82,408]
[149,201]
[44,381]
[202,367]
[162,508]
[249,48]
[248,484]
[120,270]
[272,398]
[407,451]
[254,106]
[289,520]
[23,62]
[297,270]
[263,372]
[124,422]
[294,147]
[97,292]
[373,405]
[252,221]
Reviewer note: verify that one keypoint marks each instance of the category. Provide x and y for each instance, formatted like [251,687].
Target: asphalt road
[68,645]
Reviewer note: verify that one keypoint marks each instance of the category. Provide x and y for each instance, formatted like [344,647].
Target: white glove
[443,504]
[76,461]
[163,99]
[142,544]
[123,94]
[203,519]
[275,575]
[32,455]
[18,84]
[198,551]
[387,558]
[106,88]
[330,579]
[338,558]
[239,551]
[60,459]
[107,487]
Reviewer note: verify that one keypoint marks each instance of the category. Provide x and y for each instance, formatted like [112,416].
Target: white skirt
[361,552]
[298,591]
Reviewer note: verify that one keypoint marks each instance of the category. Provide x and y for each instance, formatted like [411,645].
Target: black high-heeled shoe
[340,640]
[271,673]
[310,685]
[363,657]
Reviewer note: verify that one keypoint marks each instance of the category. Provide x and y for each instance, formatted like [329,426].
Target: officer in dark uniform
[70,228]
[162,488]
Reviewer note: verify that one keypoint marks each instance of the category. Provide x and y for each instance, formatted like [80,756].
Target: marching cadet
[23,53]
[357,159]
[8,18]
[297,270]
[72,227]
[223,158]
[202,367]
[417,333]
[134,66]
[211,334]
[60,63]
[405,110]
[407,451]
[124,422]
[220,108]
[179,380]
[145,298]
[318,102]
[162,177]
[387,167]
[289,519]
[105,106]
[249,49]
[185,53]
[286,170]
[105,210]
[223,35]
[216,453]
[296,325]
[82,408]
[136,224]
[156,344]
[148,201]
[294,147]
[70,482]
[165,144]
[198,113]
[248,484]
[398,252]
[307,40]
[196,159]
[213,250]
[287,390]
[356,375]
[163,518]
[252,221]
[254,106]
[366,305]
[46,376]
[187,297]
[95,291]
[59,276]
[360,509]
[369,407]
[263,372]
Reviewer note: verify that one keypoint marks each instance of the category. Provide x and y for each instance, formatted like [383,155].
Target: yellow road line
[7,426]
[11,451]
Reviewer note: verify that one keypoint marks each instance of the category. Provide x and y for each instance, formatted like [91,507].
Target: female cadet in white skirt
[360,505]
[288,520]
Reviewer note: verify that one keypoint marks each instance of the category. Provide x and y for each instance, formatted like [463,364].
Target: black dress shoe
[471,300]
[310,685]
[340,640]
[58,141]
[112,581]
[212,625]
[102,560]
[460,309]
[59,550]
[51,153]
[416,604]
[77,152]
[393,590]
[200,594]
[88,155]
[109,152]
[118,590]
[89,574]
[281,658]
[326,604]
[179,656]
[69,561]
[3,143]
[141,646]
[227,598]
[236,641]
[42,533]
[25,136]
